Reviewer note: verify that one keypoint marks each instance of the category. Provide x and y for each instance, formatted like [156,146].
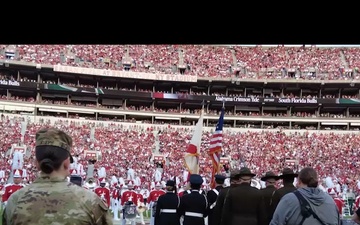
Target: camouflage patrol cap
[54,137]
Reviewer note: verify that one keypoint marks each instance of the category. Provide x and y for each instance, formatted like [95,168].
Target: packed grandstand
[283,104]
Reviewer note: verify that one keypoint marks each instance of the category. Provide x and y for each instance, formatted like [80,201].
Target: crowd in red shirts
[200,60]
[123,147]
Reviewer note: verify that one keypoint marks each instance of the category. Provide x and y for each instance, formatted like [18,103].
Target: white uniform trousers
[115,208]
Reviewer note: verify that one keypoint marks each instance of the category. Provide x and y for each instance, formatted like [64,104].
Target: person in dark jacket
[218,210]
[194,207]
[244,204]
[287,177]
[212,196]
[167,206]
[270,179]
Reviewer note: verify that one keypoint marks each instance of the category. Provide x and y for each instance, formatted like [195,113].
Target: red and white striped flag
[216,147]
[191,157]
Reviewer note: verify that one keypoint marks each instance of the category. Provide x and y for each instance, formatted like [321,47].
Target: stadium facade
[177,99]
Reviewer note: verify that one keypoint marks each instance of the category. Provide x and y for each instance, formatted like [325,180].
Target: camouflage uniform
[54,200]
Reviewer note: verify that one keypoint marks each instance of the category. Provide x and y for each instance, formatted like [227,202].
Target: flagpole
[218,167]
[202,106]
[201,114]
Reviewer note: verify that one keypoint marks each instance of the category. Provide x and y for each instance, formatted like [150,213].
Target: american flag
[216,147]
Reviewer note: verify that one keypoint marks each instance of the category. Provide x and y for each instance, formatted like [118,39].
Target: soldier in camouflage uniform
[51,198]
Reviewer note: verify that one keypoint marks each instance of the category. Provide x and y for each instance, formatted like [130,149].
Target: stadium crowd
[123,147]
[132,146]
[200,60]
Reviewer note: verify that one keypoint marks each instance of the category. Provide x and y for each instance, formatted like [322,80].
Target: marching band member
[339,203]
[183,189]
[2,173]
[145,193]
[114,181]
[17,175]
[140,204]
[128,202]
[329,182]
[102,176]
[74,166]
[115,203]
[113,184]
[153,197]
[123,189]
[11,188]
[90,184]
[152,185]
[103,192]
[137,180]
[121,181]
[73,170]
[163,184]
[337,186]
[25,181]
[321,186]
[2,183]
[356,204]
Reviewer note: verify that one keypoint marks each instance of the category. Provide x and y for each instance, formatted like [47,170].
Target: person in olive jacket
[288,177]
[270,179]
[243,204]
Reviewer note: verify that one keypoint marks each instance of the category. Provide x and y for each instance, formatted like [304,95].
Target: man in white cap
[115,203]
[153,197]
[103,192]
[140,204]
[128,202]
[339,203]
[11,188]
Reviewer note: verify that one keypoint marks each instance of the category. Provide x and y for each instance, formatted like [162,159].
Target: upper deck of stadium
[214,62]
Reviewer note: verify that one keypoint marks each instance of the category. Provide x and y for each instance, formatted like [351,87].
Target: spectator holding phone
[51,198]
